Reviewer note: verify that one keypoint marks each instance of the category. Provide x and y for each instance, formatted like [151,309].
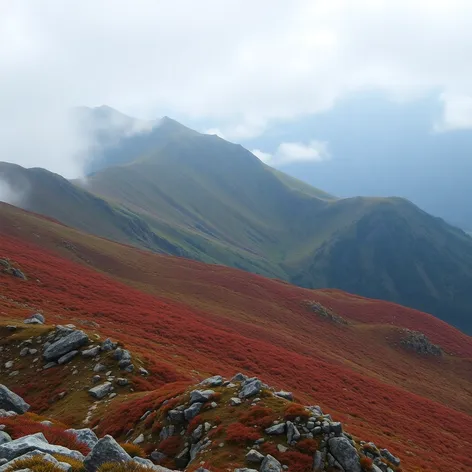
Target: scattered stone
[157,456]
[276,429]
[85,435]
[10,401]
[8,365]
[101,390]
[293,435]
[254,456]
[345,453]
[200,396]
[122,382]
[39,317]
[112,395]
[105,450]
[96,378]
[270,464]
[4,437]
[139,439]
[32,351]
[49,365]
[214,381]
[24,352]
[250,387]
[99,367]
[235,401]
[143,371]
[419,342]
[92,352]
[282,448]
[336,428]
[192,411]
[32,321]
[107,345]
[390,457]
[74,340]
[239,378]
[176,416]
[67,357]
[286,395]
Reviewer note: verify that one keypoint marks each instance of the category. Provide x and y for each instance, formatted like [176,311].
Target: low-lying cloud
[289,153]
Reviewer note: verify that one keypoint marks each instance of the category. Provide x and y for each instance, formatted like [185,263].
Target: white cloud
[457,112]
[244,66]
[216,131]
[288,153]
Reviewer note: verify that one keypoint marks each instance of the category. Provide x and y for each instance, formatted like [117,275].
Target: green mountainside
[180,192]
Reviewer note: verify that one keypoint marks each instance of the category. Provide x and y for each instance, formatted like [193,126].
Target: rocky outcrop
[345,454]
[71,342]
[419,343]
[10,401]
[85,435]
[105,450]
[324,312]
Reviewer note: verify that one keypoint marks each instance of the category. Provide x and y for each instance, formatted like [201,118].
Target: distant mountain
[202,197]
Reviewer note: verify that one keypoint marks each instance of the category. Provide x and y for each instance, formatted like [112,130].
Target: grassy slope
[185,317]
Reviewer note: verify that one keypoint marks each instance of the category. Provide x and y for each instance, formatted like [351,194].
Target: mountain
[204,198]
[184,321]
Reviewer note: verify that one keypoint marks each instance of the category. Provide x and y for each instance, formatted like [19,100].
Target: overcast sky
[242,65]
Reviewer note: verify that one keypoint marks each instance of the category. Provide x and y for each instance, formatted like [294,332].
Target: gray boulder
[67,357]
[18,447]
[4,437]
[201,396]
[105,450]
[192,411]
[32,321]
[157,456]
[197,433]
[244,469]
[214,381]
[107,345]
[92,352]
[46,457]
[239,378]
[286,395]
[10,401]
[390,457]
[276,429]
[250,387]
[85,435]
[254,456]
[293,435]
[122,382]
[176,416]
[75,340]
[38,316]
[101,390]
[345,453]
[270,464]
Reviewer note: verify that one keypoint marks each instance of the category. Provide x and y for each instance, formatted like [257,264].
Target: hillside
[186,320]
[175,191]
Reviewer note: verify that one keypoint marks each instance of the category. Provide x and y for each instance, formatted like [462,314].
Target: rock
[235,401]
[10,401]
[286,395]
[8,365]
[122,382]
[390,457]
[254,456]
[96,378]
[49,365]
[157,456]
[176,416]
[32,321]
[39,317]
[276,429]
[107,345]
[47,423]
[336,428]
[148,464]
[124,363]
[143,371]
[250,387]
[192,411]
[74,340]
[67,357]
[345,454]
[293,435]
[282,448]
[182,458]
[122,354]
[166,432]
[105,450]
[197,433]
[139,439]
[239,378]
[4,437]
[32,351]
[99,367]
[318,462]
[270,464]
[214,381]
[200,396]
[112,395]
[46,457]
[92,352]
[18,447]
[101,390]
[244,469]
[85,435]
[128,368]
[17,273]
[24,352]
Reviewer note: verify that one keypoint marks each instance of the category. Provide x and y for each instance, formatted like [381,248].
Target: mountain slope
[188,320]
[202,197]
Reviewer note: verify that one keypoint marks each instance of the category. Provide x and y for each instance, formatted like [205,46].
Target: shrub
[36,464]
[194,423]
[156,427]
[308,446]
[133,449]
[171,446]
[295,410]
[366,463]
[77,466]
[259,416]
[239,433]
[122,467]
[297,462]
[150,419]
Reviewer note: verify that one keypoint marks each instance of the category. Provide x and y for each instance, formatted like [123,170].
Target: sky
[242,69]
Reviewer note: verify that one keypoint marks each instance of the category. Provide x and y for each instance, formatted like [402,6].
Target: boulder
[157,456]
[75,340]
[385,453]
[239,378]
[4,437]
[108,345]
[276,429]
[201,396]
[122,354]
[46,457]
[286,395]
[39,317]
[101,390]
[270,464]
[250,387]
[67,357]
[176,416]
[345,453]
[235,401]
[99,367]
[122,382]
[85,435]
[92,352]
[32,321]
[105,450]
[192,411]
[293,435]
[33,442]
[254,456]
[336,428]
[139,439]
[10,401]
[214,381]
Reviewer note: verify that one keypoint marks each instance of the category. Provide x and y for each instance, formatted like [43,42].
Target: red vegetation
[258,416]
[308,446]
[294,410]
[239,433]
[366,463]
[194,423]
[171,446]
[182,316]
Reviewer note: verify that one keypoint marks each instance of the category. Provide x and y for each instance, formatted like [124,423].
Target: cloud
[10,195]
[216,131]
[457,113]
[289,153]
[243,67]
